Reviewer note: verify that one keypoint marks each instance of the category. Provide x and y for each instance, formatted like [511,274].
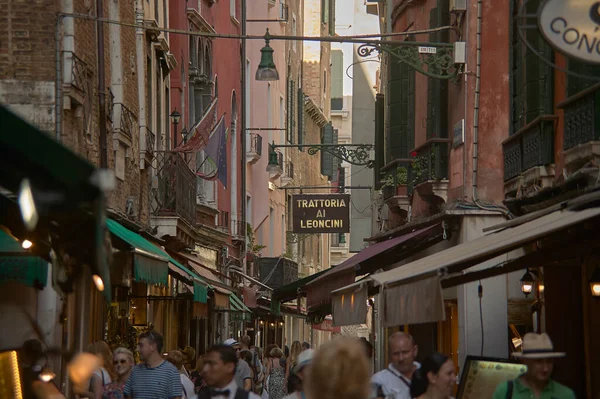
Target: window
[206,193]
[269,112]
[437,90]
[281,119]
[324,11]
[282,234]
[291,96]
[248,209]
[201,85]
[337,80]
[400,137]
[324,81]
[300,117]
[531,86]
[327,15]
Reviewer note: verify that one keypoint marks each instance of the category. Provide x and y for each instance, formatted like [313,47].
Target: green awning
[151,264]
[290,291]
[20,266]
[200,292]
[239,310]
[27,152]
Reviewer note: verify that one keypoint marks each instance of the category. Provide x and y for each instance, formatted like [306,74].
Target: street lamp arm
[355,154]
[434,60]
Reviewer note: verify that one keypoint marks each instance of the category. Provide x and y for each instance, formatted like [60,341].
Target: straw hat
[538,346]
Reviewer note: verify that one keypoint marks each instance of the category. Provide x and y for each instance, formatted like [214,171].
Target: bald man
[394,381]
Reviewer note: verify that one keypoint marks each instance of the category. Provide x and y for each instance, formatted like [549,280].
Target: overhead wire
[333,39]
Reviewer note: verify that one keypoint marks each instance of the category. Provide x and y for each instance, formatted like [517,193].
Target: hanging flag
[216,150]
[200,132]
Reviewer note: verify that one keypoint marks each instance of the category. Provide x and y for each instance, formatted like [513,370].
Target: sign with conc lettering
[321,213]
[572,27]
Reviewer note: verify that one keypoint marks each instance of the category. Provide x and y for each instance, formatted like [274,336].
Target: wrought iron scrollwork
[356,155]
[294,238]
[438,65]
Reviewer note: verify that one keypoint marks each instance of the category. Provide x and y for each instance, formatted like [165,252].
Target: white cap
[304,359]
[231,342]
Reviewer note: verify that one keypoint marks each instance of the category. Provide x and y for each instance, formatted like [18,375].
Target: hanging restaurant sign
[321,213]
[572,27]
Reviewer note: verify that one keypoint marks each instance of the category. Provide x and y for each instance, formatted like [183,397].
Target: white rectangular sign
[427,50]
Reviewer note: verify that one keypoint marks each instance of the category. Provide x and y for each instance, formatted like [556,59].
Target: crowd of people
[339,368]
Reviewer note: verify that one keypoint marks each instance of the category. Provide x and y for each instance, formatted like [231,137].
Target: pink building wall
[226,68]
[265,114]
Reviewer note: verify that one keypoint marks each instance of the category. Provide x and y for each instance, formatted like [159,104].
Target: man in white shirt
[219,373]
[394,381]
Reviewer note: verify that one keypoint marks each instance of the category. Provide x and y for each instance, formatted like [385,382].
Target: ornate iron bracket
[435,60]
[355,154]
[294,238]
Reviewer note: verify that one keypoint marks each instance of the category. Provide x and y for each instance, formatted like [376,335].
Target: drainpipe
[243,137]
[141,73]
[476,200]
[101,86]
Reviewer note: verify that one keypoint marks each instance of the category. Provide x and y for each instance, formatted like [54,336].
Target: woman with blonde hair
[123,361]
[339,370]
[290,363]
[105,374]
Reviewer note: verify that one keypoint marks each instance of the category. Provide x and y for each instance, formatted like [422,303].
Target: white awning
[484,248]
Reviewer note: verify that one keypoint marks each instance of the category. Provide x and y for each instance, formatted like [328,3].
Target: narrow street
[299,199]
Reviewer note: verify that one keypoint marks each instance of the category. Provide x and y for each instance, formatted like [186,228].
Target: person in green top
[538,355]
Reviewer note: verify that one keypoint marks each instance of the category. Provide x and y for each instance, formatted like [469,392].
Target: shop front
[557,246]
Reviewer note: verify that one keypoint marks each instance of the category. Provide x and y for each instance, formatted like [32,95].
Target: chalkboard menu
[481,376]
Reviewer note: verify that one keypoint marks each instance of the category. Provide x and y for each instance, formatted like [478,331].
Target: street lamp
[273,165]
[175,118]
[595,283]
[267,71]
[527,282]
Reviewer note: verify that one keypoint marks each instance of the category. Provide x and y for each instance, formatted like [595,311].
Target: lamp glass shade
[267,71]
[595,283]
[273,165]
[175,117]
[527,283]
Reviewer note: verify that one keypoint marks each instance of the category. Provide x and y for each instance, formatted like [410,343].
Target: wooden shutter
[437,90]
[300,118]
[291,94]
[326,157]
[379,138]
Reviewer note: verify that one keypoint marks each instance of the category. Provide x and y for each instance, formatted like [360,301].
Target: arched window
[207,61]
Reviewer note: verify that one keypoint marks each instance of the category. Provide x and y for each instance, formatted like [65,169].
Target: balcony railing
[582,117]
[531,146]
[431,161]
[255,148]
[238,228]
[80,71]
[396,175]
[176,191]
[150,143]
[127,120]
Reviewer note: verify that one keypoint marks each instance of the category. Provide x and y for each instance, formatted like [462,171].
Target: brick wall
[28,83]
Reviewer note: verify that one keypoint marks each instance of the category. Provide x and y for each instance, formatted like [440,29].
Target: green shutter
[326,158]
[437,90]
[400,138]
[300,118]
[291,94]
[379,138]
[335,161]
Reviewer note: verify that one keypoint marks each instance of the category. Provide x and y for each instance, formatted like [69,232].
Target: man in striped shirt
[155,378]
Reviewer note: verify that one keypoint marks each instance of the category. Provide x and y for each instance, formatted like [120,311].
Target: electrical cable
[480,294]
[332,39]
